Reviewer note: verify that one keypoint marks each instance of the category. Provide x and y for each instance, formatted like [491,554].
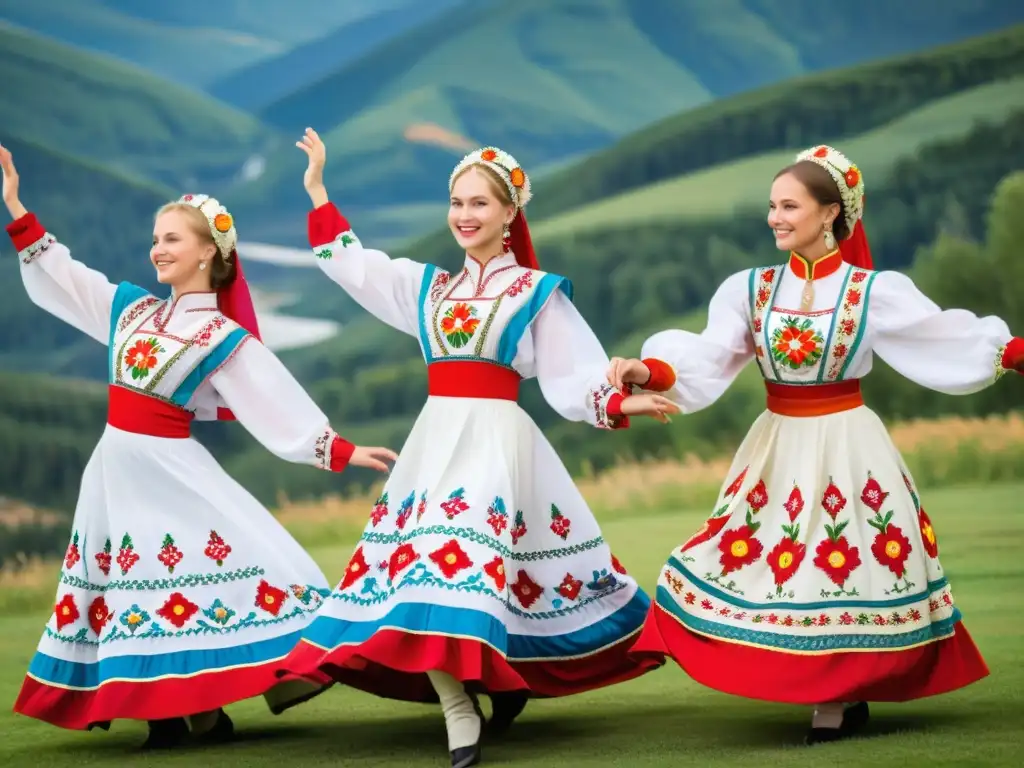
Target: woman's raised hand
[313,179]
[11,181]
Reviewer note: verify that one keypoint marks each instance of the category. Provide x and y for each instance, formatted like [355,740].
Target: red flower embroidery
[141,358]
[72,555]
[762,296]
[216,549]
[459,324]
[758,325]
[103,559]
[65,611]
[570,587]
[794,504]
[270,598]
[178,609]
[738,548]
[852,177]
[891,548]
[454,504]
[837,559]
[758,496]
[451,559]
[931,544]
[169,555]
[736,484]
[497,518]
[784,559]
[518,527]
[847,327]
[821,152]
[858,277]
[768,275]
[99,614]
[401,559]
[126,556]
[357,568]
[707,532]
[839,350]
[526,590]
[853,297]
[873,495]
[496,570]
[559,523]
[380,510]
[832,500]
[488,155]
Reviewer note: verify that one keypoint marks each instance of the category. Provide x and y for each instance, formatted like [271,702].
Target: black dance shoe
[166,734]
[464,757]
[505,708]
[855,717]
[222,731]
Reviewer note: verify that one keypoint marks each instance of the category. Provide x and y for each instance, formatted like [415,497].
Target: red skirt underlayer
[393,664]
[793,678]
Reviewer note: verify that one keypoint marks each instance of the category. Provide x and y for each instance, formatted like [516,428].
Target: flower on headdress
[222,222]
[852,176]
[488,155]
[517,177]
[821,151]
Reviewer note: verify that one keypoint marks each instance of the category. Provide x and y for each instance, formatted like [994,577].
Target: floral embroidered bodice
[814,346]
[167,348]
[482,312]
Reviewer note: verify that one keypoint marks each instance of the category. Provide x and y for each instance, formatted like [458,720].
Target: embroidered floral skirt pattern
[480,559]
[178,595]
[817,577]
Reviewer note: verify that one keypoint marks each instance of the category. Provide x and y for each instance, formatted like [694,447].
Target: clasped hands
[627,372]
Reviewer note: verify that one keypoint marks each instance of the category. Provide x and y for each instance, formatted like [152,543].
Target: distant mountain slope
[194,42]
[115,114]
[551,79]
[259,85]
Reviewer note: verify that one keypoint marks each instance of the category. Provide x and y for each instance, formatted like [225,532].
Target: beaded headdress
[503,164]
[222,224]
[847,177]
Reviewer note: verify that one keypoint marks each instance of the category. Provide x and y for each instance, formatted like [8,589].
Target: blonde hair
[222,266]
[493,179]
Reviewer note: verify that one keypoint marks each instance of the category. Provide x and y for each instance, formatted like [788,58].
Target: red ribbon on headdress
[855,249]
[235,302]
[520,243]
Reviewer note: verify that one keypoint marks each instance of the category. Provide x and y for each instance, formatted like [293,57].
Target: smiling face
[478,213]
[804,202]
[179,247]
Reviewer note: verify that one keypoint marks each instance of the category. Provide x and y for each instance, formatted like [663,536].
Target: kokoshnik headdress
[518,185]
[234,299]
[850,182]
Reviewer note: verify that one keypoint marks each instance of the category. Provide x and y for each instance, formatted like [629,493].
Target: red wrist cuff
[341,453]
[1013,355]
[663,375]
[324,224]
[613,410]
[25,231]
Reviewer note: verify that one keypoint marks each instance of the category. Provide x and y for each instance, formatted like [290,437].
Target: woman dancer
[179,592]
[481,563]
[816,580]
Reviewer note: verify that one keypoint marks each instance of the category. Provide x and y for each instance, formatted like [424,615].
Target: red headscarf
[855,249]
[520,242]
[235,303]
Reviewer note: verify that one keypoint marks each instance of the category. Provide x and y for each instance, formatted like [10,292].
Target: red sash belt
[472,378]
[813,399]
[146,415]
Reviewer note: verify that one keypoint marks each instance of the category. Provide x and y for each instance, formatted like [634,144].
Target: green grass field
[742,185]
[663,719]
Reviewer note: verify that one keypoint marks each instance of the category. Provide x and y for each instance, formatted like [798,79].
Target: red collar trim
[815,270]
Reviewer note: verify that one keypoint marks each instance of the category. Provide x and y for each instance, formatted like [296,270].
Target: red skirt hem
[159,699]
[393,664]
[795,678]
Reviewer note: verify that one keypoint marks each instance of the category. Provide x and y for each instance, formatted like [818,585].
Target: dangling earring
[202,265]
[830,239]
[506,240]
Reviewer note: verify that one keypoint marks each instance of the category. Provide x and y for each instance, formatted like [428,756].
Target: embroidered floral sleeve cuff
[328,230]
[1012,358]
[333,452]
[607,404]
[29,237]
[663,375]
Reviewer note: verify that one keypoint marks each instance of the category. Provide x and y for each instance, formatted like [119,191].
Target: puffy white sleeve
[267,400]
[706,363]
[952,351]
[572,366]
[56,283]
[387,288]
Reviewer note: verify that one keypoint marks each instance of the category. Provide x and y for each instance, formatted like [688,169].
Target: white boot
[461,718]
